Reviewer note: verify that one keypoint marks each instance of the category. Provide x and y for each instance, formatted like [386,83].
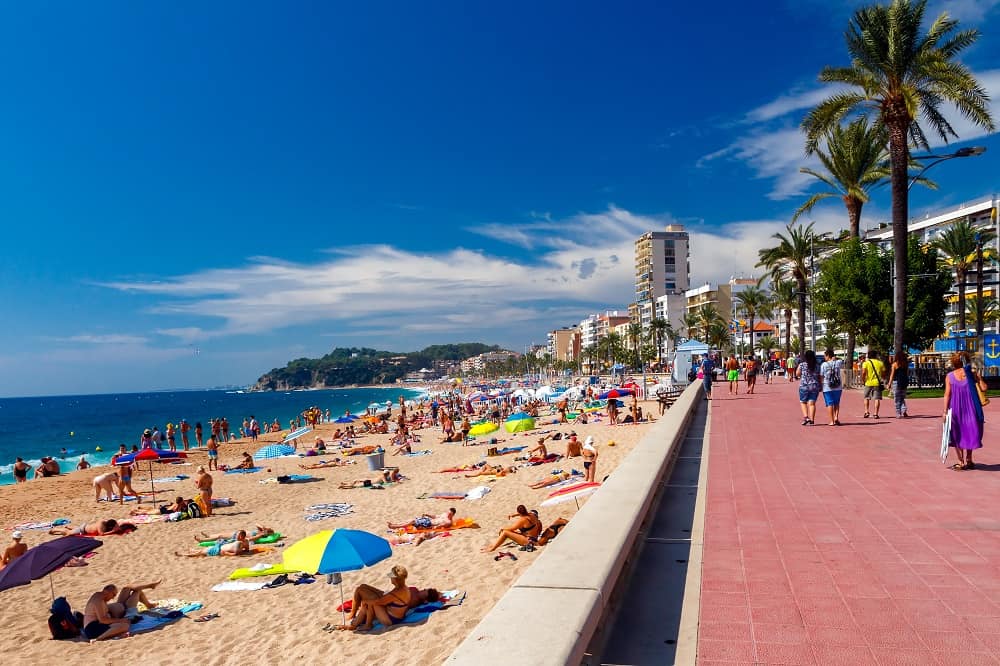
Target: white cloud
[969,12]
[106,339]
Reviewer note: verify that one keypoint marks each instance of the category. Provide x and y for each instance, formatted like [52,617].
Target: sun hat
[16,535]
[147,432]
[589,441]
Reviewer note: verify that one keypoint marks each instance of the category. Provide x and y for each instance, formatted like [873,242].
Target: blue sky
[193,193]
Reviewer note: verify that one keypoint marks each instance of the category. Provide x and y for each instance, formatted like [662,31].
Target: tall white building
[661,263]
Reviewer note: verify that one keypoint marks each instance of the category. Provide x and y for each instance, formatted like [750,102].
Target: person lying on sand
[389,475]
[493,470]
[365,593]
[241,546]
[389,608]
[258,532]
[524,529]
[552,531]
[336,462]
[358,450]
[103,620]
[427,520]
[100,528]
[551,480]
[414,539]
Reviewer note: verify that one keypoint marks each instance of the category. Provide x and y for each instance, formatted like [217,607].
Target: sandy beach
[283,624]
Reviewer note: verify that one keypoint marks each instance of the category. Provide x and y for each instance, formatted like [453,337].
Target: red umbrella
[613,393]
[152,455]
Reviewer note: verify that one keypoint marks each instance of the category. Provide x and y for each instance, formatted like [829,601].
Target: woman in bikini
[389,608]
[525,529]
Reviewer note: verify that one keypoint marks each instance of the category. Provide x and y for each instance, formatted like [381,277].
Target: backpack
[64,624]
[194,510]
[833,377]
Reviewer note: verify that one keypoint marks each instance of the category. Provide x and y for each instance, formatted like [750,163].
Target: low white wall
[551,612]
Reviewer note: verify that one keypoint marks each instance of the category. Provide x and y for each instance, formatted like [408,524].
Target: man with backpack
[832,385]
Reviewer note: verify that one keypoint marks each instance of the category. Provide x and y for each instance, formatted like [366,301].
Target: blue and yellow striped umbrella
[335,551]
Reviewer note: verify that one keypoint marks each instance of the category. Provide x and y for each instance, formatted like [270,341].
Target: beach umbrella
[295,434]
[45,558]
[518,416]
[520,425]
[615,393]
[274,451]
[332,552]
[573,492]
[150,456]
[344,419]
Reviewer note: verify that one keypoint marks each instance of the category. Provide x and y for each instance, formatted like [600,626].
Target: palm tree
[957,251]
[828,341]
[658,329]
[690,323]
[754,302]
[898,74]
[991,311]
[854,162]
[707,317]
[766,345]
[634,336]
[788,259]
[785,299]
[718,335]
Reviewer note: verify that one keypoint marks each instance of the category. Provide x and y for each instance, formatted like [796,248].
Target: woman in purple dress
[961,397]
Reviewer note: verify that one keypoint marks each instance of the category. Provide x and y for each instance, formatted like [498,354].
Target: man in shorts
[213,452]
[733,374]
[185,429]
[427,521]
[873,376]
[103,620]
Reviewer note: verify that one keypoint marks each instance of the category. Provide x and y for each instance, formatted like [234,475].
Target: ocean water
[43,426]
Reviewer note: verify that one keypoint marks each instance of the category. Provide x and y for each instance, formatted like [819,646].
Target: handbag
[881,386]
[984,399]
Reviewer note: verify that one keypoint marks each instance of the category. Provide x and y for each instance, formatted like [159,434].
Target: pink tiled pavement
[846,545]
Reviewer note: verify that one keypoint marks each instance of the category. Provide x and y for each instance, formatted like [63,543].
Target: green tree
[717,336]
[991,311]
[783,294]
[707,317]
[898,74]
[789,258]
[689,322]
[767,344]
[926,301]
[659,329]
[828,341]
[634,337]
[956,248]
[754,302]
[854,294]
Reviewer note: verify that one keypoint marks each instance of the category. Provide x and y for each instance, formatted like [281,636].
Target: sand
[284,624]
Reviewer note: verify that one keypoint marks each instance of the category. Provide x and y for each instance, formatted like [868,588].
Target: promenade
[846,545]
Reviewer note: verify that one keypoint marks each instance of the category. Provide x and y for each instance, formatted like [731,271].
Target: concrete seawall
[553,611]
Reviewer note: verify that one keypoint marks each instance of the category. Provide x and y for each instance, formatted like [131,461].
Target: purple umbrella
[43,559]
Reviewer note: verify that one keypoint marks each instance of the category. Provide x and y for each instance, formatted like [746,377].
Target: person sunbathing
[403,448]
[257,533]
[414,539]
[427,521]
[103,620]
[493,470]
[389,475]
[552,531]
[524,529]
[453,437]
[358,450]
[539,449]
[241,546]
[247,462]
[551,480]
[180,504]
[99,528]
[336,462]
[389,608]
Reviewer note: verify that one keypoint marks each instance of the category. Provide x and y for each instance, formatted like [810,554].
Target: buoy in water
[71,433]
[98,449]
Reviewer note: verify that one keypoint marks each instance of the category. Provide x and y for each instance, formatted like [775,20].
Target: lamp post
[969,151]
[979,285]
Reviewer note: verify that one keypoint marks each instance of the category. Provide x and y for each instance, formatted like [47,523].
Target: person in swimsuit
[257,533]
[198,433]
[107,483]
[388,609]
[103,620]
[524,529]
[572,446]
[551,480]
[589,459]
[49,467]
[213,452]
[100,528]
[15,550]
[239,546]
[552,531]
[125,482]
[427,521]
[203,481]
[21,471]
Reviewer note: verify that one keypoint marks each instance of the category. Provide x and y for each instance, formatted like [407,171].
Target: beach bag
[194,510]
[833,377]
[64,624]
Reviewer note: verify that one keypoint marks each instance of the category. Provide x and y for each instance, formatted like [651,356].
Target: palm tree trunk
[899,153]
[853,206]
[802,316]
[751,335]
[960,279]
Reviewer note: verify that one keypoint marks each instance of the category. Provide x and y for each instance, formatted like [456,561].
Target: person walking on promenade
[750,369]
[872,375]
[733,374]
[707,372]
[790,368]
[832,388]
[809,386]
[899,380]
[962,398]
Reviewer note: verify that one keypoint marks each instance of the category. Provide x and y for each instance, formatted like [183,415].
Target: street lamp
[968,151]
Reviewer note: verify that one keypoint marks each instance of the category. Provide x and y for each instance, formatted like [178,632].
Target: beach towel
[328,510]
[479,492]
[238,586]
[173,479]
[447,494]
[41,525]
[457,524]
[261,569]
[270,538]
[222,501]
[251,470]
[155,618]
[116,498]
[425,452]
[463,468]
[147,518]
[510,449]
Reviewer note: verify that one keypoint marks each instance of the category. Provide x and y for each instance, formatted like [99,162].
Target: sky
[194,193]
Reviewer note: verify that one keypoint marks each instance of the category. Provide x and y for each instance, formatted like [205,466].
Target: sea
[94,425]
